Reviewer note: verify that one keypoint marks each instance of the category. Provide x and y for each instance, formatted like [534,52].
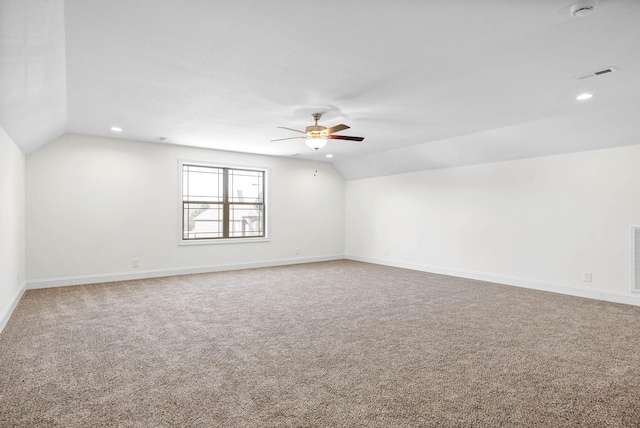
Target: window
[222,203]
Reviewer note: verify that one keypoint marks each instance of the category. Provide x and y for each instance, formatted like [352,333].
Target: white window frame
[214,241]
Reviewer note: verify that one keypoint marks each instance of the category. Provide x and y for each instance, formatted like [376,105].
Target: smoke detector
[580,11]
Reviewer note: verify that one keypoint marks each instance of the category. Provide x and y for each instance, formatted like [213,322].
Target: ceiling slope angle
[443,83]
[33,107]
[536,98]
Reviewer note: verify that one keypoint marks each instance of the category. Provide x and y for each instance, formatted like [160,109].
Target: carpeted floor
[325,344]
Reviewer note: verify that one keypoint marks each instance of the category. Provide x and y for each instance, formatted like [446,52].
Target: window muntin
[222,203]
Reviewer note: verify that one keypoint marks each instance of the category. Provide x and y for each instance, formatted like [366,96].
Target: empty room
[341,213]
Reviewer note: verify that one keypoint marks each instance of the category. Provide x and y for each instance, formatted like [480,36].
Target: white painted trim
[635,288]
[6,314]
[125,276]
[608,296]
[589,293]
[187,242]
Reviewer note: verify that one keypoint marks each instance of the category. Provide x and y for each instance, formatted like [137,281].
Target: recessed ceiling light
[116,129]
[329,155]
[583,97]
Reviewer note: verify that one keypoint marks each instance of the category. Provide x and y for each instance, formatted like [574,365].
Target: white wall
[94,204]
[534,222]
[12,225]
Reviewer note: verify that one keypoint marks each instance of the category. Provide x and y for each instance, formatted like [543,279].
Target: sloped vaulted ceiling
[33,97]
[429,84]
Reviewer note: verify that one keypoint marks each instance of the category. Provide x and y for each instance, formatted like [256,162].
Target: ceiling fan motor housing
[316,131]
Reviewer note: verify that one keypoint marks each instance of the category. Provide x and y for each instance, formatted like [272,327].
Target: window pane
[202,221]
[246,220]
[221,202]
[201,183]
[246,186]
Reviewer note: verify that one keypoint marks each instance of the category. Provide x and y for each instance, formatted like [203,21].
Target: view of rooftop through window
[220,202]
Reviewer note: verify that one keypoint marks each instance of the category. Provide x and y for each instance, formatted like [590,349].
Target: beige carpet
[325,344]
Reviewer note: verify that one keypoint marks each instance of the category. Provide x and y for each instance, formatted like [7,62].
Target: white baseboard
[589,293]
[6,314]
[142,274]
[608,296]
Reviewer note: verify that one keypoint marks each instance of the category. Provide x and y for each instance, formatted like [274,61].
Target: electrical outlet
[586,277]
[297,251]
[135,263]
[386,253]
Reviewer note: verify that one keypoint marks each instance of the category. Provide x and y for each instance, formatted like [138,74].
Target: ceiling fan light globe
[316,143]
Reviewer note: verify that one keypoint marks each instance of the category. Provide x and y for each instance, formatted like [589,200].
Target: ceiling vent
[595,73]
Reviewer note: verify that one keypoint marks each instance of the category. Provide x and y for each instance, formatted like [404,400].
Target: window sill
[221,241]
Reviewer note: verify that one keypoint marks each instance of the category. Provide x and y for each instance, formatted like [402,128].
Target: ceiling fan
[316,136]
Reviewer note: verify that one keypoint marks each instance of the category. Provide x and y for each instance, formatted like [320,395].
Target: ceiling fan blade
[290,129]
[345,137]
[337,128]
[290,138]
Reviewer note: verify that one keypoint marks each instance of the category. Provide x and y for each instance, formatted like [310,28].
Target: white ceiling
[429,84]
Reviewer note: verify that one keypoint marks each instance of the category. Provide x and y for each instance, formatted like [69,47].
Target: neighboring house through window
[220,202]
